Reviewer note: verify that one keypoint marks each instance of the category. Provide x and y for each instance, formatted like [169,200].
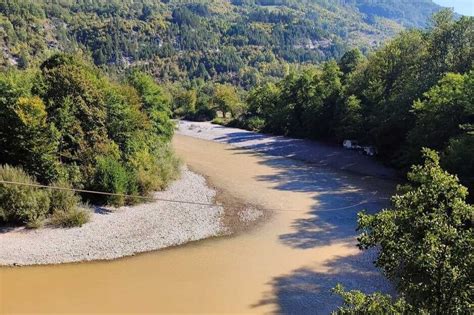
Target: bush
[168,164]
[112,177]
[21,204]
[153,168]
[74,217]
[254,123]
[202,114]
[219,121]
[62,200]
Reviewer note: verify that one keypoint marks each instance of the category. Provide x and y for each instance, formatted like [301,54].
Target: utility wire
[104,193]
[173,200]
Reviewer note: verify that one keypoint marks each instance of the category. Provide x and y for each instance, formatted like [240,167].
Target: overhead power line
[179,201]
[104,193]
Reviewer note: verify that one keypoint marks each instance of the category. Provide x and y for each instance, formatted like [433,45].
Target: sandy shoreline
[152,226]
[123,232]
[288,264]
[313,152]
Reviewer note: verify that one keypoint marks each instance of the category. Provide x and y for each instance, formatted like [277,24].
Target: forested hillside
[238,41]
[417,91]
[312,69]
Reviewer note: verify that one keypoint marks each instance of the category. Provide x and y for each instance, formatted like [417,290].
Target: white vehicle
[370,151]
[351,144]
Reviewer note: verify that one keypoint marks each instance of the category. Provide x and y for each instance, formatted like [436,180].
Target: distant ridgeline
[237,41]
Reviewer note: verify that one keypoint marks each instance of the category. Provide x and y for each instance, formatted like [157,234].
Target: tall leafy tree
[226,99]
[26,139]
[425,242]
[442,112]
[156,103]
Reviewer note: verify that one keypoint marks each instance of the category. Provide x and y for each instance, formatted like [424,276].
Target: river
[287,264]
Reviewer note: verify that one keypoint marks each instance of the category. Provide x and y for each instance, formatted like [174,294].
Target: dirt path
[286,265]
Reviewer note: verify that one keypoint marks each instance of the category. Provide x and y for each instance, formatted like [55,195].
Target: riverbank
[287,265]
[313,152]
[126,231]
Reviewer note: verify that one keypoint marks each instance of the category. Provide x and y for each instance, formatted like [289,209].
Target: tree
[73,93]
[226,99]
[426,241]
[448,104]
[458,158]
[349,118]
[185,101]
[156,102]
[350,60]
[26,139]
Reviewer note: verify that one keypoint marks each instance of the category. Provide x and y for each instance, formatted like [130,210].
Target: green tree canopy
[425,242]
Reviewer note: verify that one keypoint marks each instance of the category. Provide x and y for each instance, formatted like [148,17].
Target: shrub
[71,218]
[62,200]
[151,165]
[168,164]
[111,176]
[21,204]
[254,123]
[202,114]
[219,121]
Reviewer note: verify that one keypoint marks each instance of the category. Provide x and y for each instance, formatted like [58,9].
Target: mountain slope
[235,40]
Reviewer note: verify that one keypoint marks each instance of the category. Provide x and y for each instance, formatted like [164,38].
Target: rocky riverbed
[114,233]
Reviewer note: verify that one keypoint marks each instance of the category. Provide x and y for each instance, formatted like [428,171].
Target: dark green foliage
[69,123]
[111,176]
[177,40]
[458,158]
[425,242]
[417,91]
[25,137]
[301,105]
[255,123]
[350,60]
[448,104]
[156,103]
[21,204]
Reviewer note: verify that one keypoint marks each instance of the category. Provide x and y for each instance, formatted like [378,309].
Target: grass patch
[74,217]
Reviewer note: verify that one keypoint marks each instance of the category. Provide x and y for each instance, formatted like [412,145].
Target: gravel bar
[124,231]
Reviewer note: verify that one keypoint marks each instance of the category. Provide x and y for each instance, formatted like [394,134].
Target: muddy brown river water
[287,264]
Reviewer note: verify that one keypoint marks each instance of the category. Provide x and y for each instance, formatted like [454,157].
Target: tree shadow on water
[338,198]
[307,291]
[333,220]
[240,137]
[317,153]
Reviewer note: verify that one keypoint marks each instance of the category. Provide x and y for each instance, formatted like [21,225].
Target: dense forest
[417,91]
[88,90]
[66,124]
[242,42]
[313,69]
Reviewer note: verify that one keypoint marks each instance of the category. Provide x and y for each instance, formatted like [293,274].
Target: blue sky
[465,7]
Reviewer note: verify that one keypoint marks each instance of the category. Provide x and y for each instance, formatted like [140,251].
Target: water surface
[287,265]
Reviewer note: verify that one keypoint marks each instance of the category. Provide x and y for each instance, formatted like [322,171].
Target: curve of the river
[287,264]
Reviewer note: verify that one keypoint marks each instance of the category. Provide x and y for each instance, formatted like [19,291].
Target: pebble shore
[126,231]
